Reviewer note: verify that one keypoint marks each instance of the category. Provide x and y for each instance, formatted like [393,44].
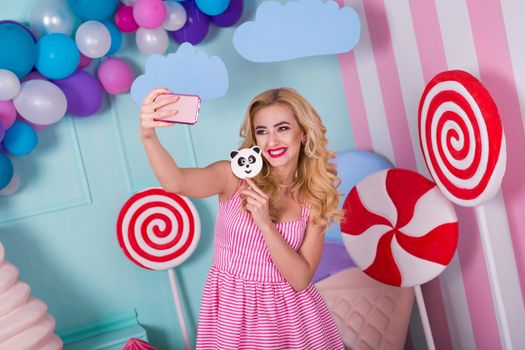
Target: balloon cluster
[184,20]
[43,72]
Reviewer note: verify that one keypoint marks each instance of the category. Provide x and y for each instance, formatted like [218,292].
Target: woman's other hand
[257,203]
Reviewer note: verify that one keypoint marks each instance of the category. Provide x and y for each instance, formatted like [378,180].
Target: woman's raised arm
[192,182]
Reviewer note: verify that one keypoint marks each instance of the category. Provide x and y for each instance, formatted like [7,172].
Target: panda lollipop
[246,163]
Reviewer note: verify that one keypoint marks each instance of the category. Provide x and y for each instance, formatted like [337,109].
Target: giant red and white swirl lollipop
[159,230]
[462,138]
[399,228]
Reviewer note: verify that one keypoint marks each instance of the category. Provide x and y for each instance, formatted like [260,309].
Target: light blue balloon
[212,7]
[17,49]
[116,37]
[20,139]
[57,56]
[6,170]
[352,167]
[97,10]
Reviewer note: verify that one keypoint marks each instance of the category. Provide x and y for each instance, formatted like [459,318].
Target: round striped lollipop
[462,138]
[158,230]
[399,228]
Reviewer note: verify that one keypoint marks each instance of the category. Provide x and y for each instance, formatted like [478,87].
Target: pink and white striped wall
[477,303]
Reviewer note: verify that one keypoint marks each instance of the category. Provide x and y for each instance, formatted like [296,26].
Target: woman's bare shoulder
[231,181]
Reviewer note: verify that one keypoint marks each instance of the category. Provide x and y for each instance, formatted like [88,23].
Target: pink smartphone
[187,105]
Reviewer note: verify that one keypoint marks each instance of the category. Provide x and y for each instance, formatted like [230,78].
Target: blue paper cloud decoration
[186,71]
[297,29]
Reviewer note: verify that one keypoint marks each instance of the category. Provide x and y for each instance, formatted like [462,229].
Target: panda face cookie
[246,162]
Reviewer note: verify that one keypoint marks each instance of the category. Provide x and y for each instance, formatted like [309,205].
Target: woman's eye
[260,132]
[283,128]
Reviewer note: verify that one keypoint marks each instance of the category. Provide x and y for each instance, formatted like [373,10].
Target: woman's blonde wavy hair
[316,178]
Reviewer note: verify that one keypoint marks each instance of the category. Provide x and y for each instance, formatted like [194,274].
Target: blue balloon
[116,37]
[17,48]
[2,131]
[352,167]
[6,170]
[57,56]
[20,139]
[212,7]
[97,10]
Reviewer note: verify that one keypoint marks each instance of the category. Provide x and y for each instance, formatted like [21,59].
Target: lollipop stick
[178,306]
[504,312]
[424,318]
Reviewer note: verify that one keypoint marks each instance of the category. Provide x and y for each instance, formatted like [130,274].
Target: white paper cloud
[186,72]
[297,29]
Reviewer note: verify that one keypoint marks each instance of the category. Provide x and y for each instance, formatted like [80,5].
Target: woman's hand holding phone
[150,115]
[161,109]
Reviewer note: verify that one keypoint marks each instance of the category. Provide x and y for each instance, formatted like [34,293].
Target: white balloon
[51,16]
[40,102]
[152,41]
[175,17]
[9,85]
[11,187]
[93,39]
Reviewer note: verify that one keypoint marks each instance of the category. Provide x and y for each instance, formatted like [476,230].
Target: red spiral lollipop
[158,230]
[462,138]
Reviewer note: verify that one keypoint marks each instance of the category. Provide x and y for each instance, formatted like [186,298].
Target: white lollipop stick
[424,318]
[494,278]
[178,306]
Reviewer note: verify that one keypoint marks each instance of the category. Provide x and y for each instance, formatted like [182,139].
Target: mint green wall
[59,229]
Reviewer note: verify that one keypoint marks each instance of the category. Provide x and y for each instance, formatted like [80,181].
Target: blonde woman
[269,232]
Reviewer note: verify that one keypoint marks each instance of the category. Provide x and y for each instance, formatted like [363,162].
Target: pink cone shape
[24,321]
[137,344]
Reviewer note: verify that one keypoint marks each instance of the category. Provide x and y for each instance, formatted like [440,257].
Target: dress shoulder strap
[305,211]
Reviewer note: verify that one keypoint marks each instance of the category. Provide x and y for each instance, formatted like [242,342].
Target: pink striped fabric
[354,97]
[247,304]
[389,82]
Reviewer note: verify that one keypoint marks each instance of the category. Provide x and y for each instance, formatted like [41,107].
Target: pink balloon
[115,75]
[84,61]
[7,113]
[32,76]
[149,14]
[124,19]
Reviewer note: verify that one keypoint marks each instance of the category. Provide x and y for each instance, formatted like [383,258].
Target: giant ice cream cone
[24,321]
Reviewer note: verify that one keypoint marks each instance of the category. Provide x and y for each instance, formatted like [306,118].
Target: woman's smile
[277,152]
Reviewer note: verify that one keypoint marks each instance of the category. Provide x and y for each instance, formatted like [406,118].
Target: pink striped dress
[247,304]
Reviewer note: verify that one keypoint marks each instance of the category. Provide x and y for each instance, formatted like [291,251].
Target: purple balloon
[84,93]
[230,16]
[2,131]
[335,258]
[196,27]
[32,76]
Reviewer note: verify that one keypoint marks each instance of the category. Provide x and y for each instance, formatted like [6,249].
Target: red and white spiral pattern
[399,228]
[462,138]
[158,230]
